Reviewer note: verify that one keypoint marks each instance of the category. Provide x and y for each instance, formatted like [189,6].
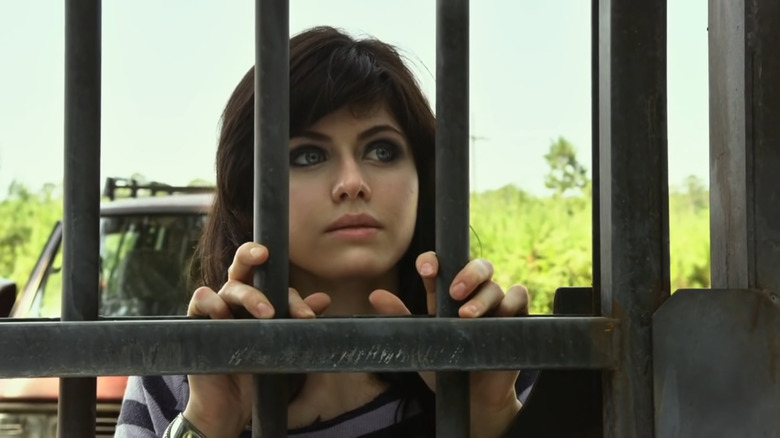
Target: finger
[427,265]
[248,256]
[475,273]
[387,303]
[307,308]
[298,307]
[318,302]
[515,303]
[488,297]
[206,302]
[238,294]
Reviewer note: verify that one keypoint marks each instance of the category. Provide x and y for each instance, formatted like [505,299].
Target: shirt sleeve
[150,404]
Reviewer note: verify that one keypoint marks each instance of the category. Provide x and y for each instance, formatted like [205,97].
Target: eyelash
[393,148]
[300,151]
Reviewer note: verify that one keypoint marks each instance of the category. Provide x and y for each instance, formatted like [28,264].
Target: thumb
[387,303]
[318,302]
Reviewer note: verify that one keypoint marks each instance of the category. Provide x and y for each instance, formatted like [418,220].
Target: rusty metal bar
[744,73]
[594,144]
[139,346]
[633,200]
[452,196]
[81,201]
[271,188]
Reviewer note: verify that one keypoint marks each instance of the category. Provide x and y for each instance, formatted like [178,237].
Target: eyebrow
[370,132]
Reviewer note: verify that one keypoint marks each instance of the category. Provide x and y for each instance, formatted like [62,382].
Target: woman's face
[353,196]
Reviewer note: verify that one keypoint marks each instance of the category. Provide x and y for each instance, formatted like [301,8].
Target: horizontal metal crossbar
[42,348]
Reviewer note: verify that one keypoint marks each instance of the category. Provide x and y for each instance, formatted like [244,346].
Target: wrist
[181,428]
[494,424]
[213,424]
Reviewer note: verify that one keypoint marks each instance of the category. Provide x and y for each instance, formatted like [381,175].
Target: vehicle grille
[105,421]
[17,415]
[11,429]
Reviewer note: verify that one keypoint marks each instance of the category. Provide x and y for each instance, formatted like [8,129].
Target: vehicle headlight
[28,425]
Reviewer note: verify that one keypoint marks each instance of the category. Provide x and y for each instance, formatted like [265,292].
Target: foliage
[28,218]
[565,173]
[542,242]
[546,242]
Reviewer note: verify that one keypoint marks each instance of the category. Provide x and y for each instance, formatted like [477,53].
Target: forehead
[357,118]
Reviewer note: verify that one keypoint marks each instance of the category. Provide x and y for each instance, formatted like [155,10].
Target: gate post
[744,66]
[81,201]
[633,200]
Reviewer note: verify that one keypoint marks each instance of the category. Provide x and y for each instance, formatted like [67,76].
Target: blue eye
[306,156]
[383,151]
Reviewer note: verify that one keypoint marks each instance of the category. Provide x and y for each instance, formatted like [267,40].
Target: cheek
[301,203]
[414,193]
[410,198]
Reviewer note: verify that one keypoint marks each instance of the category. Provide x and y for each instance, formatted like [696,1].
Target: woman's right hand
[221,405]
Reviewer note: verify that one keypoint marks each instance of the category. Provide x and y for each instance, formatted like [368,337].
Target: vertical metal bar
[452,194]
[271,185]
[744,70]
[81,200]
[634,200]
[594,144]
[731,161]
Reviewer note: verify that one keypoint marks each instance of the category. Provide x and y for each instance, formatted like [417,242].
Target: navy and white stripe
[152,402]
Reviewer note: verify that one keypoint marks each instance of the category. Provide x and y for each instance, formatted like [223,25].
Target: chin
[358,268]
[352,263]
[357,265]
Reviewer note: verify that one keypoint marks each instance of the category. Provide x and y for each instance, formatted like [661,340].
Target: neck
[327,395]
[349,296]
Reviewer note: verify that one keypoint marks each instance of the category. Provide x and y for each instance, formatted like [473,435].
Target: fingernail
[458,291]
[472,309]
[426,269]
[308,313]
[263,310]
[255,252]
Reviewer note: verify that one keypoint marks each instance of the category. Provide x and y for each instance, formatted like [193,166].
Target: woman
[361,240]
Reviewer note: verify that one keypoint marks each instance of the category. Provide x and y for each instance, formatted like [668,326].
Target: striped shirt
[152,402]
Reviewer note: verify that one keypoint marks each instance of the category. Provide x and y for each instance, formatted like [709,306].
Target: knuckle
[200,302]
[487,267]
[201,292]
[520,290]
[232,290]
[498,292]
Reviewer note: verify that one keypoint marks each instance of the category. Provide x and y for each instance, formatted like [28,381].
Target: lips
[353,221]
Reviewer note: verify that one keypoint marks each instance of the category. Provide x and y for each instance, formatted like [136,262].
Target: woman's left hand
[494,402]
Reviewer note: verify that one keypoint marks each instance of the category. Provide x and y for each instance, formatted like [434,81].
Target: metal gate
[695,363]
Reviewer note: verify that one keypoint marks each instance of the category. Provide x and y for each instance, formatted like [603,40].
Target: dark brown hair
[328,70]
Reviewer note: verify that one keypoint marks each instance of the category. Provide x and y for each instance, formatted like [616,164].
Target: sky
[169,67]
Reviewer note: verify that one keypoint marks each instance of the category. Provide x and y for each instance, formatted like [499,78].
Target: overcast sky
[170,65]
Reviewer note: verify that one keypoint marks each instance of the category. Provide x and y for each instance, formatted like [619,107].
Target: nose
[350,183]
